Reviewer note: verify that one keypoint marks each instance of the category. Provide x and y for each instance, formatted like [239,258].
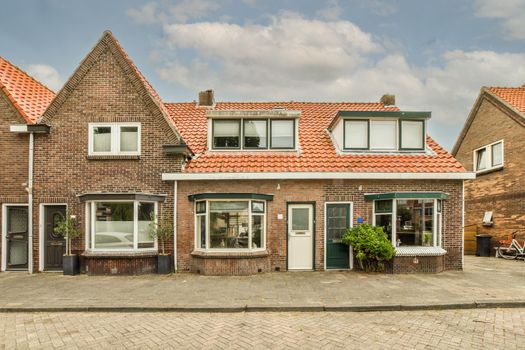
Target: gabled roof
[509,99]
[317,151]
[109,42]
[28,96]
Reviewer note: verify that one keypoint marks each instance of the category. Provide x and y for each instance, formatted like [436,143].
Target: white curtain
[497,154]
[356,134]
[412,134]
[226,128]
[129,139]
[282,133]
[102,139]
[383,134]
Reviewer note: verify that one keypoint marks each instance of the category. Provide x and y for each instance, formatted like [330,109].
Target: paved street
[484,279]
[452,329]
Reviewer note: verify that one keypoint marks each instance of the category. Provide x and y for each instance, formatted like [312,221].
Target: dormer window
[253,129]
[380,131]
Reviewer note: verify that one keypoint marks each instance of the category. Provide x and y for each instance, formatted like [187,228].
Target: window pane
[229,225]
[385,221]
[226,133]
[481,159]
[201,207]
[283,134]
[114,225]
[102,139]
[415,222]
[258,207]
[255,133]
[412,134]
[300,219]
[129,139]
[257,231]
[497,154]
[146,212]
[383,134]
[356,134]
[384,206]
[201,231]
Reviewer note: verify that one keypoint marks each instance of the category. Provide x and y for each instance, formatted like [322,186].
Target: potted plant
[67,227]
[371,246]
[427,238]
[163,232]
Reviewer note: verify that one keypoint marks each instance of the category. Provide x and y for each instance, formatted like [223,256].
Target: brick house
[248,187]
[492,144]
[22,101]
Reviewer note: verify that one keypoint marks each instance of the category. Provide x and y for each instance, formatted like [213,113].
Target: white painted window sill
[420,251]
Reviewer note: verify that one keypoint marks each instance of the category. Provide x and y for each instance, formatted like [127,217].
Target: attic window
[114,139]
[489,157]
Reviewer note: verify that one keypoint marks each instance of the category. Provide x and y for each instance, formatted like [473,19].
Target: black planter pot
[164,264]
[71,265]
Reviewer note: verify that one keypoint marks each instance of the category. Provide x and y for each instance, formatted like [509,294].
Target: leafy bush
[371,246]
[67,227]
[162,231]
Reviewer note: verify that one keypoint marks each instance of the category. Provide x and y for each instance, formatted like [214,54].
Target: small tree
[371,246]
[161,230]
[67,227]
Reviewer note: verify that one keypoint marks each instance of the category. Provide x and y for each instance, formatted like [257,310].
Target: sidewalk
[485,282]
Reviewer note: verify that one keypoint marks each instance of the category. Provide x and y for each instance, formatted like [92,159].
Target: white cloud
[180,12]
[46,75]
[330,12]
[295,58]
[511,13]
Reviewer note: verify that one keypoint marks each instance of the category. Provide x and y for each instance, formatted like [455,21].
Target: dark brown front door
[54,244]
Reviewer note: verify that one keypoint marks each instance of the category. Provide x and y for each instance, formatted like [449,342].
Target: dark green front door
[337,222]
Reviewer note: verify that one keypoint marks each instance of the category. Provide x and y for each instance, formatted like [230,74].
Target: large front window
[120,225]
[410,222]
[230,225]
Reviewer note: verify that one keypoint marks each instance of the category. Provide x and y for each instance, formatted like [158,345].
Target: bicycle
[513,250]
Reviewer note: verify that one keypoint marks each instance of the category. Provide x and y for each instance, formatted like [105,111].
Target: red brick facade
[318,191]
[14,157]
[501,191]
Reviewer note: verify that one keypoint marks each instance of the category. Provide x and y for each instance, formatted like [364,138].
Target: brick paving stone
[447,329]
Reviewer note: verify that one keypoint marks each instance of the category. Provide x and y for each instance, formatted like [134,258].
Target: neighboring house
[492,144]
[22,101]
[249,187]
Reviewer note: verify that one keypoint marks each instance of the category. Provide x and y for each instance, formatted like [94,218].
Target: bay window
[114,139]
[120,225]
[489,157]
[230,224]
[410,222]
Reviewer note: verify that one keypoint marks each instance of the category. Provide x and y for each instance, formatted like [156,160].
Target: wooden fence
[470,239]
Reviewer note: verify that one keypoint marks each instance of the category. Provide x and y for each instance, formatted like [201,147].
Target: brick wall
[318,191]
[14,153]
[503,191]
[104,93]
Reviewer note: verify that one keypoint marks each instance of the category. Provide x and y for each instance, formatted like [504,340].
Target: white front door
[300,236]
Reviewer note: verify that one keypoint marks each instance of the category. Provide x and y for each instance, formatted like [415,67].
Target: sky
[433,55]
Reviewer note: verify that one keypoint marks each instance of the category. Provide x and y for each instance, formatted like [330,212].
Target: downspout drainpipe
[30,202]
[175,197]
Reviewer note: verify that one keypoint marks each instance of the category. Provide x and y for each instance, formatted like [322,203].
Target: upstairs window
[114,139]
[489,157]
[226,134]
[412,134]
[383,134]
[255,134]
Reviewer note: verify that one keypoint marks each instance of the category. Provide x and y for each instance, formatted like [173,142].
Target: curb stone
[247,308]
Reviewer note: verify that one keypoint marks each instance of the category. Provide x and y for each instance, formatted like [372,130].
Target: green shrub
[371,246]
[161,230]
[67,227]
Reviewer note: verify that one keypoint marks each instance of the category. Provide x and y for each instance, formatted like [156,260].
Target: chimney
[388,100]
[206,98]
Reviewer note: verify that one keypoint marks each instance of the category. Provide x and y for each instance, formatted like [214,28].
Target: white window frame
[90,243]
[436,217]
[196,243]
[115,139]
[488,151]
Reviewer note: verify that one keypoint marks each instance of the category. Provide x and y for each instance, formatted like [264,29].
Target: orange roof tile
[317,151]
[513,96]
[27,95]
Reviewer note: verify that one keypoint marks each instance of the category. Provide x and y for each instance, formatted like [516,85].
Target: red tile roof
[513,96]
[317,151]
[27,95]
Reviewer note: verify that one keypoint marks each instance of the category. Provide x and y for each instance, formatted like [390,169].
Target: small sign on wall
[280,216]
[360,220]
